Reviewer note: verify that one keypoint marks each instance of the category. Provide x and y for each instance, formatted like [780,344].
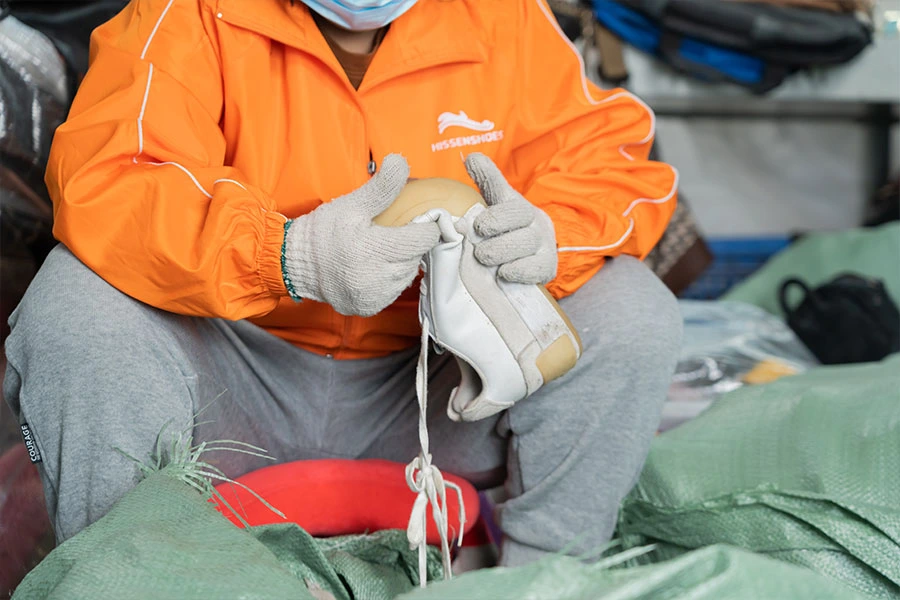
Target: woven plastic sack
[713,573]
[164,540]
[805,469]
[819,257]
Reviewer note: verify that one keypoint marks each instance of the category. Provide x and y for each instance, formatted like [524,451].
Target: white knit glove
[335,254]
[520,236]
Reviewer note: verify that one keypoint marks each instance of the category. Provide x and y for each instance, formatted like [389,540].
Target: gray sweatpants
[91,369]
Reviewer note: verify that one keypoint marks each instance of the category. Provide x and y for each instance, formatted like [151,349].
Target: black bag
[786,35]
[756,45]
[847,320]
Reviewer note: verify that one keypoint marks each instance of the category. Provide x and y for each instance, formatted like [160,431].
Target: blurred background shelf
[872,77]
[806,156]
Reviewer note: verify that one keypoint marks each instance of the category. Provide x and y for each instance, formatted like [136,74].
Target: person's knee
[66,306]
[652,319]
[72,330]
[627,316]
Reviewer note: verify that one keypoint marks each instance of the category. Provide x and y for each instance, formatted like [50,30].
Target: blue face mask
[360,15]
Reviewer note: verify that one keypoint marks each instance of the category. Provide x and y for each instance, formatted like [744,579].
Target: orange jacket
[202,125]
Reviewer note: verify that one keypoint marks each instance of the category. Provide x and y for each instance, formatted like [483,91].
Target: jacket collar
[429,34]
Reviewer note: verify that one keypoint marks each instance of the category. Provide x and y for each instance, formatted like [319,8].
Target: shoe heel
[557,359]
[562,354]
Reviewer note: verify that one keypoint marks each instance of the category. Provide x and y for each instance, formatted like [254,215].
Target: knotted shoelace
[427,482]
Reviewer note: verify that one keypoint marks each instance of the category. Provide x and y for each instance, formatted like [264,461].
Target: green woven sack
[715,573]
[164,540]
[819,257]
[805,469]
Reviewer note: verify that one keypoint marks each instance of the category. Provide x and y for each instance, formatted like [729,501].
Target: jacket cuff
[271,257]
[285,274]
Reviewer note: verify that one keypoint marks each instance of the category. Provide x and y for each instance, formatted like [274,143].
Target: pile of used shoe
[755,43]
[43,55]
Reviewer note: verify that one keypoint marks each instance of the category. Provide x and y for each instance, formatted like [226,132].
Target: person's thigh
[99,377]
[95,376]
[474,450]
[302,405]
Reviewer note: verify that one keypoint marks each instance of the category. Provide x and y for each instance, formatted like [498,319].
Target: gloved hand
[520,236]
[335,254]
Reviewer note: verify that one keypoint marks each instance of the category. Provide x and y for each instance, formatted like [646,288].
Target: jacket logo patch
[461,119]
[448,119]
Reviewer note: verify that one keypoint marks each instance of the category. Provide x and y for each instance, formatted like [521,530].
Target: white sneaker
[508,338]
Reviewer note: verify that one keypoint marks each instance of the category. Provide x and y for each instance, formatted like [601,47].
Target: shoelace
[425,479]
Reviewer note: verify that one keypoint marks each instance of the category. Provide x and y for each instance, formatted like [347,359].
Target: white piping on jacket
[616,244]
[237,183]
[156,27]
[188,173]
[622,151]
[140,120]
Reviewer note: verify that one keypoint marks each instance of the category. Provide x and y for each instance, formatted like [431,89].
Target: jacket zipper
[371,168]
